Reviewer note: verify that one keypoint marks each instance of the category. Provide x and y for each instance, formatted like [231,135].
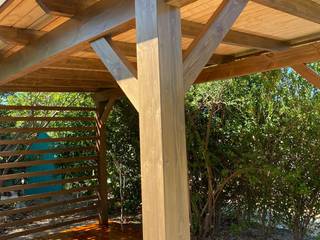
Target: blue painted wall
[46,167]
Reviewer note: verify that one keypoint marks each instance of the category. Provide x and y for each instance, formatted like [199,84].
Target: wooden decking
[95,232]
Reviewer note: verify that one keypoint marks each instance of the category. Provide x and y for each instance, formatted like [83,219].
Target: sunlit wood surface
[95,232]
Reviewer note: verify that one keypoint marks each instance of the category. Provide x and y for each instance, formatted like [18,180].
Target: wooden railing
[76,158]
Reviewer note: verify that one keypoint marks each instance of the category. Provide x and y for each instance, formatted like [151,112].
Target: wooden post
[165,196]
[102,165]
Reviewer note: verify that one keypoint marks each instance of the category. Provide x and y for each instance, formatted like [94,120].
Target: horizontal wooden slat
[46,206]
[44,184]
[48,216]
[44,173]
[45,162]
[39,152]
[46,195]
[46,140]
[49,129]
[48,227]
[51,119]
[46,108]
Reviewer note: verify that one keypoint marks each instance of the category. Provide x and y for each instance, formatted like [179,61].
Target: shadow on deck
[95,232]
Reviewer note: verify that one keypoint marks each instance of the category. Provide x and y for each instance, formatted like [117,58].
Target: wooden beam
[309,74]
[103,96]
[19,36]
[192,29]
[254,41]
[121,69]
[262,63]
[107,109]
[179,3]
[203,46]
[102,160]
[66,8]
[165,208]
[102,18]
[305,9]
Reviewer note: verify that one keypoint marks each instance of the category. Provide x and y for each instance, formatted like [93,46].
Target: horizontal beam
[41,152]
[45,162]
[20,187]
[46,173]
[306,9]
[48,129]
[309,74]
[46,195]
[103,18]
[19,36]
[262,63]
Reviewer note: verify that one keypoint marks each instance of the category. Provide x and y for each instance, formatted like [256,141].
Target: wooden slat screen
[73,142]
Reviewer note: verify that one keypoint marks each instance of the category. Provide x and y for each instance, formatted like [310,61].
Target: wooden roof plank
[192,30]
[101,19]
[305,9]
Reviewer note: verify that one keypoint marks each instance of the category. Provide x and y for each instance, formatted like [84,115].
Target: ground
[94,232]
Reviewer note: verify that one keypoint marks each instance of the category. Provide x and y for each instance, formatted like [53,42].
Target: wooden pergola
[152,51]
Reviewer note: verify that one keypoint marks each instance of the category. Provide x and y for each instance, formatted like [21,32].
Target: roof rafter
[306,9]
[192,29]
[201,49]
[103,18]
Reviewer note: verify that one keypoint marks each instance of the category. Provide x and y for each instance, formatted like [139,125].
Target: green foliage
[253,152]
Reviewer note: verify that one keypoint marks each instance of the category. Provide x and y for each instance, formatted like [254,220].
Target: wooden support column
[103,110]
[165,197]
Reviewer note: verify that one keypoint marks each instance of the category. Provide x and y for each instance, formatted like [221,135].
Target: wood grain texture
[103,110]
[121,69]
[305,9]
[165,201]
[238,38]
[201,49]
[100,19]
